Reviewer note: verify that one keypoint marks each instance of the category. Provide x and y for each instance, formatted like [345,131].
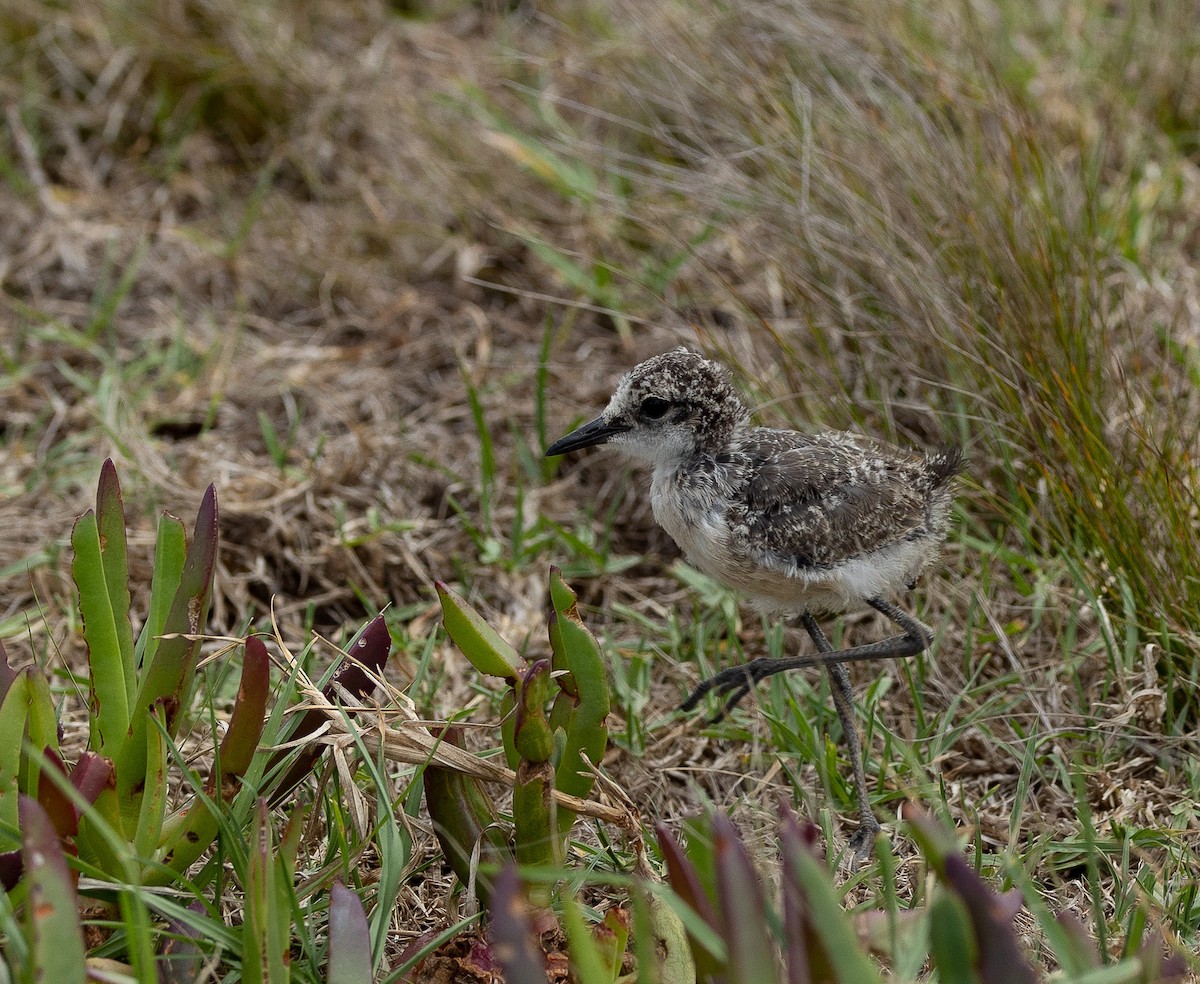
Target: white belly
[776,585]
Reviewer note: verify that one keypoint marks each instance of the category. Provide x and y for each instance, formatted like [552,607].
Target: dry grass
[274,246]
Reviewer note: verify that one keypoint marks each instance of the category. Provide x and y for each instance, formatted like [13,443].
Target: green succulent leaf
[170,550]
[951,941]
[168,677]
[108,693]
[464,816]
[14,712]
[477,640]
[533,738]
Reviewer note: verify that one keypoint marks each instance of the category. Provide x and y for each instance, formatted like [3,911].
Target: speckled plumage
[800,523]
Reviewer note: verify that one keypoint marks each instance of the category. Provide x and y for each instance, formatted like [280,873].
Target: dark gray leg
[734,682]
[863,840]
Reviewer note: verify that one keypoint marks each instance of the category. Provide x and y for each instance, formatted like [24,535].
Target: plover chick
[801,524]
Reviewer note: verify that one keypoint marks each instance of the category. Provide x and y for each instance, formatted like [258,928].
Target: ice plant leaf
[743,915]
[1000,958]
[170,550]
[41,726]
[13,713]
[511,929]
[246,724]
[349,938]
[167,679]
[477,640]
[532,736]
[108,696]
[110,522]
[185,837]
[833,933]
[583,706]
[464,816]
[180,959]
[53,799]
[951,940]
[683,877]
[55,939]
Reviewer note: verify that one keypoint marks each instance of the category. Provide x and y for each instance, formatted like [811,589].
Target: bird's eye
[654,408]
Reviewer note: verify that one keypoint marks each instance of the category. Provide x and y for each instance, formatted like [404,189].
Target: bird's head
[664,410]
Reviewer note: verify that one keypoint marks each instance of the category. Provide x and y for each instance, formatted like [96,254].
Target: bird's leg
[735,682]
[843,699]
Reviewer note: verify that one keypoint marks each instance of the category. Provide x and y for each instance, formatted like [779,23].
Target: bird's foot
[732,683]
[862,841]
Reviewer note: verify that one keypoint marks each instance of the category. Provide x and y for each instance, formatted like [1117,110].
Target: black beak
[594,432]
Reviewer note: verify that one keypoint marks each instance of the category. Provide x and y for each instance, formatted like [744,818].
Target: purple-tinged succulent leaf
[92,774]
[513,942]
[1082,954]
[1160,966]
[180,959]
[54,800]
[249,710]
[1000,957]
[743,911]
[55,938]
[684,877]
[110,523]
[11,869]
[186,837]
[832,949]
[805,951]
[349,938]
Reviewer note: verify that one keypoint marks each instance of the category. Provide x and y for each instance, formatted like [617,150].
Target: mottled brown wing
[814,501]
